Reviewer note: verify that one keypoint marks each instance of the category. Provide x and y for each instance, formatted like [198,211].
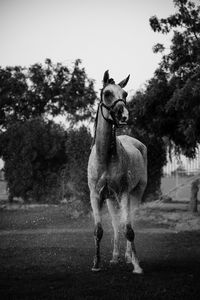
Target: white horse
[117,171]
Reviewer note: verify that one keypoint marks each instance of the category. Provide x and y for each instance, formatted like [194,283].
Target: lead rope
[113,141]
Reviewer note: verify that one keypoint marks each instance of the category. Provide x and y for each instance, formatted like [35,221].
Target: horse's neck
[105,141]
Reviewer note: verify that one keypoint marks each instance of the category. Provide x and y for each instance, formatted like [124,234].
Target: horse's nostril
[124,119]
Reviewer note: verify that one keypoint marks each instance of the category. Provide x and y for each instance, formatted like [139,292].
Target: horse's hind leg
[98,232]
[115,223]
[135,201]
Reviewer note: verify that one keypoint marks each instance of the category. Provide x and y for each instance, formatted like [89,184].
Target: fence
[179,174]
[185,165]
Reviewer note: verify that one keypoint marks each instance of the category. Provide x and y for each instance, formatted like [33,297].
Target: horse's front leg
[130,255]
[98,231]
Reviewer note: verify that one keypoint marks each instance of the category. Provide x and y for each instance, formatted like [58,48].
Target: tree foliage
[34,149]
[33,153]
[49,89]
[78,146]
[166,112]
[179,71]
[36,152]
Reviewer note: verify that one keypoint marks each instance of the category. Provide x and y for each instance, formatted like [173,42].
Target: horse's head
[113,101]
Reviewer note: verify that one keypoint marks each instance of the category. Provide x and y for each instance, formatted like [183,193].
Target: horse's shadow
[172,266]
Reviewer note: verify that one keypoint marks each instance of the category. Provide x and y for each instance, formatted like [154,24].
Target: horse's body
[116,172]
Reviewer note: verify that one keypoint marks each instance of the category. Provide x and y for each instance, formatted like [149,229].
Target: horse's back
[130,144]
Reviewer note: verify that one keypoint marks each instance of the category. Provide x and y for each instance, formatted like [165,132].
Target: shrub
[34,152]
[77,147]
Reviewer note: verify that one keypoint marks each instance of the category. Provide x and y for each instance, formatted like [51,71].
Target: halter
[109,108]
[111,111]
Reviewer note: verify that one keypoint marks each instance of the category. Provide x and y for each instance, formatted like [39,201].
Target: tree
[193,197]
[34,152]
[166,112]
[34,149]
[181,67]
[37,91]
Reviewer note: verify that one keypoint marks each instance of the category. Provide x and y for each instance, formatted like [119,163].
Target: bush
[40,156]
[34,152]
[77,147]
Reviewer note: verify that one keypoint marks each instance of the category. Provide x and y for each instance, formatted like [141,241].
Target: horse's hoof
[114,261]
[128,259]
[94,269]
[138,270]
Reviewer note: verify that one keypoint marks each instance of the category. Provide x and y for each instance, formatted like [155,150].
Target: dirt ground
[45,255]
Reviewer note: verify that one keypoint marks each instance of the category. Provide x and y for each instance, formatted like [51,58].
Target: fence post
[193,197]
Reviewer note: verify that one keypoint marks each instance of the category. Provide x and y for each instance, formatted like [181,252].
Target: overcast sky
[104,34]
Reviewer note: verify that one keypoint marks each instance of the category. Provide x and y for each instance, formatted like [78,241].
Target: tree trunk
[193,198]
[10,198]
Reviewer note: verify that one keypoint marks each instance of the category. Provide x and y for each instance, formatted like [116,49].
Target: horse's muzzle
[123,119]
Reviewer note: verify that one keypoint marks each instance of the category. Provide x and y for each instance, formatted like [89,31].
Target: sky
[104,34]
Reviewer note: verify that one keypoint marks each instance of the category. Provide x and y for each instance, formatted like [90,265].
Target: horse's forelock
[111,81]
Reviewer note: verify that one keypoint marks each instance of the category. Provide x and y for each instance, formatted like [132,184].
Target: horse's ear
[106,77]
[124,82]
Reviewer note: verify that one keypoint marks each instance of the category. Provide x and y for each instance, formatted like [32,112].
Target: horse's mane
[110,81]
[95,127]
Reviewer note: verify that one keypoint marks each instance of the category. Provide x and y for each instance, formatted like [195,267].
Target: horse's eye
[108,94]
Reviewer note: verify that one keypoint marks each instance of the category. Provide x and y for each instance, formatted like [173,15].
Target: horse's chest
[114,178]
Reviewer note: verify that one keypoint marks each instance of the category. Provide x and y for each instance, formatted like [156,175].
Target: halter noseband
[111,111]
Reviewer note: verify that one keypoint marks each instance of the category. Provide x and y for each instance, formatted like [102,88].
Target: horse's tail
[105,193]
[143,150]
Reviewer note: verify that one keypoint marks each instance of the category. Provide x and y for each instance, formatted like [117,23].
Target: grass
[56,265]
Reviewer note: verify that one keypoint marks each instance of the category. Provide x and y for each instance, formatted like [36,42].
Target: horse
[117,171]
